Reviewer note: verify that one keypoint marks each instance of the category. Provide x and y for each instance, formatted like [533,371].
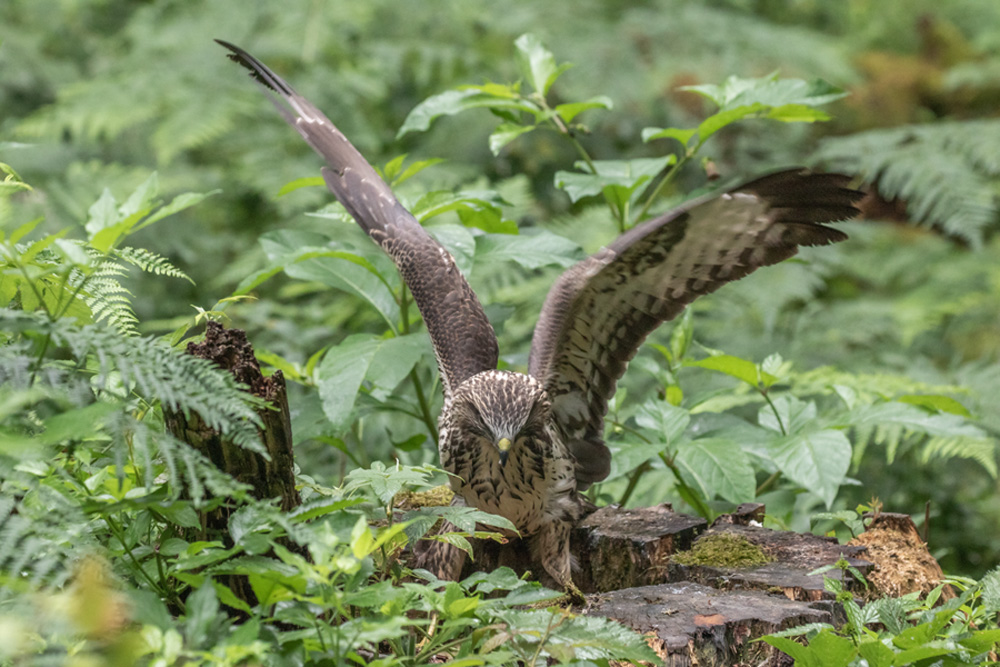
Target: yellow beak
[503,445]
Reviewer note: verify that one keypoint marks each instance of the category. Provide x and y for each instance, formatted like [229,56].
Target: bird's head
[503,410]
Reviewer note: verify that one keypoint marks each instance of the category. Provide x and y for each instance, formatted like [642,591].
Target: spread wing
[601,309]
[463,339]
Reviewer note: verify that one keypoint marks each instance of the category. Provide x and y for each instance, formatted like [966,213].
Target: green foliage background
[97,95]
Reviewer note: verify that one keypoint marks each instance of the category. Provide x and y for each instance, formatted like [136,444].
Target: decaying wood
[269,477]
[690,624]
[617,548]
[794,556]
[902,563]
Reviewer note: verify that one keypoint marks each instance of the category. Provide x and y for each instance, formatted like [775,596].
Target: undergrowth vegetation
[864,369]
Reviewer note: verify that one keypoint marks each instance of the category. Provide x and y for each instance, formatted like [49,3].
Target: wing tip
[258,71]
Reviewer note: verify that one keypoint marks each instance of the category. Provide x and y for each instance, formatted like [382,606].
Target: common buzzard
[524,445]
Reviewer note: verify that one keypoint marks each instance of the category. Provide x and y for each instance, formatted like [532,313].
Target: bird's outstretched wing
[463,338]
[601,309]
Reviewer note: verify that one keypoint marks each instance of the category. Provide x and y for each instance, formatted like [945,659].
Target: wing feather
[464,341]
[600,310]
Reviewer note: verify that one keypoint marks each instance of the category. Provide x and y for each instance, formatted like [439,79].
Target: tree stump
[691,624]
[271,476]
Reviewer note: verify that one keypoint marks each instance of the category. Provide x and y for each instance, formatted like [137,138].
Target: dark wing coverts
[600,310]
[463,339]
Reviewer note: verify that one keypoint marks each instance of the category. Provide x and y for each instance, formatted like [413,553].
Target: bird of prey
[523,445]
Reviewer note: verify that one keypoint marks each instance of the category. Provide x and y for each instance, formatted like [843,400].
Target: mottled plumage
[523,446]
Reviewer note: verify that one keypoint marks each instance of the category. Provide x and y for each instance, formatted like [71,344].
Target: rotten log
[690,624]
[269,477]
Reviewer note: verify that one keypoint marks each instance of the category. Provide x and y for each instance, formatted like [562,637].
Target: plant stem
[425,410]
[781,425]
[768,483]
[633,481]
[668,178]
[692,496]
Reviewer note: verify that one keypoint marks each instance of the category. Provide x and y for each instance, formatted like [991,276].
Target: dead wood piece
[902,563]
[617,548]
[690,624]
[272,477]
[746,514]
[794,556]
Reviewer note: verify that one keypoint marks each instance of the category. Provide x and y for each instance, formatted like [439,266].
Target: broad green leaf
[815,460]
[201,608]
[790,647]
[414,169]
[393,360]
[796,113]
[793,415]
[719,120]
[320,506]
[936,402]
[146,608]
[25,229]
[36,247]
[538,65]
[393,168]
[311,256]
[982,640]
[831,650]
[627,455]
[627,175]
[72,252]
[386,481]
[340,374]
[769,91]
[482,208]
[452,102]
[531,251]
[722,465]
[683,136]
[299,183]
[103,213]
[362,542]
[506,133]
[571,110]
[176,205]
[666,422]
[741,369]
[916,655]
[142,199]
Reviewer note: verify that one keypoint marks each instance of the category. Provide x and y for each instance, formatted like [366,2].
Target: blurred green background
[99,93]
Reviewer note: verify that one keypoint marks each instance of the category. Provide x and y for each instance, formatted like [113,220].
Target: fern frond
[151,262]
[947,173]
[981,450]
[156,372]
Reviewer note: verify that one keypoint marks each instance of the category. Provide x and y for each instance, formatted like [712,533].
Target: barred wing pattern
[600,310]
[463,339]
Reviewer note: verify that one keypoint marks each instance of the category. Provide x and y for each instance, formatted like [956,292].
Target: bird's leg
[551,544]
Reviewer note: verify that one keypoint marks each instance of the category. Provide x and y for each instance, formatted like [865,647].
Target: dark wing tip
[258,70]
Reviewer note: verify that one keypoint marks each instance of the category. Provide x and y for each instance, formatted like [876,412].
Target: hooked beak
[504,447]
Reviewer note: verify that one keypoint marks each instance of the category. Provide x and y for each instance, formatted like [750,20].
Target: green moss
[438,496]
[723,550]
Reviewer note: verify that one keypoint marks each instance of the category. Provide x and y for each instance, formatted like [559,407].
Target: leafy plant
[894,632]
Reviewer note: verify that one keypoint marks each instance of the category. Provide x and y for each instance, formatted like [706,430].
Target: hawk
[523,445]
